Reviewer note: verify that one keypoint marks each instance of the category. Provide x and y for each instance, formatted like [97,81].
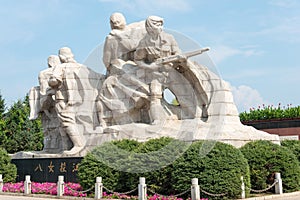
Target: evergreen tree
[2,106]
[2,122]
[22,134]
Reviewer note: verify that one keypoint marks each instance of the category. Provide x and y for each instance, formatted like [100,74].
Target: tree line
[17,132]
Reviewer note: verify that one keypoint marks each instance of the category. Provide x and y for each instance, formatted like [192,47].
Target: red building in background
[285,128]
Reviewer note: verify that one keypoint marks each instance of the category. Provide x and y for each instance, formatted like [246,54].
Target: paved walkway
[285,196]
[18,196]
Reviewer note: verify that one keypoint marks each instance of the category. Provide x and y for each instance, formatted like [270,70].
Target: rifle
[181,57]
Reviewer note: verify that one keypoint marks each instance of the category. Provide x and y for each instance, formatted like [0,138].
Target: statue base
[223,129]
[47,169]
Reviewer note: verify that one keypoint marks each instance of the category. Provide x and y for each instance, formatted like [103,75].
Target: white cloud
[246,97]
[222,52]
[284,3]
[287,29]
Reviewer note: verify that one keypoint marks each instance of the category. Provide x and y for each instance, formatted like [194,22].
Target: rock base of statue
[47,169]
[225,129]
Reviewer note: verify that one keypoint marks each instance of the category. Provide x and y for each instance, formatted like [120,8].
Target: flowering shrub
[271,112]
[158,197]
[70,189]
[73,189]
[149,197]
[13,187]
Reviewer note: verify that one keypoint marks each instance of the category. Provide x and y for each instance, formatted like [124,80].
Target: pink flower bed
[152,197]
[70,189]
[73,189]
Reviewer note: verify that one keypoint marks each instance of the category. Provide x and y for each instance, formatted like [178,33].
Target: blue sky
[255,44]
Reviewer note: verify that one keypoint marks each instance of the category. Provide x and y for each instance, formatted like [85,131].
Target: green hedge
[97,164]
[168,166]
[265,159]
[293,145]
[270,112]
[7,169]
[121,163]
[218,172]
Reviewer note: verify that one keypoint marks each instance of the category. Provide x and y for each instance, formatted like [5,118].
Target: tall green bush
[159,155]
[7,169]
[293,145]
[218,172]
[121,163]
[265,159]
[168,166]
[103,162]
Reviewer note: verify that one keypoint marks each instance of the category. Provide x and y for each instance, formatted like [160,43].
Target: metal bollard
[1,183]
[98,188]
[60,186]
[27,185]
[278,185]
[195,189]
[142,189]
[243,195]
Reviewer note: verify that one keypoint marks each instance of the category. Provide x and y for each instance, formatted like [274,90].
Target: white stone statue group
[81,108]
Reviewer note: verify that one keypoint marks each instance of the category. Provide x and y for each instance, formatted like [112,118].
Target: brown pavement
[18,196]
[285,196]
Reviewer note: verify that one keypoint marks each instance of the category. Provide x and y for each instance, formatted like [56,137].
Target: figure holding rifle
[156,53]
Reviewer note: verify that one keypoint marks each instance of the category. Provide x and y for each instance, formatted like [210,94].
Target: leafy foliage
[121,163]
[270,112]
[293,145]
[2,122]
[265,159]
[221,169]
[7,169]
[2,105]
[218,172]
[21,133]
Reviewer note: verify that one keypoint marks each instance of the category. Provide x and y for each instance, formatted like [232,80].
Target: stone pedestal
[47,169]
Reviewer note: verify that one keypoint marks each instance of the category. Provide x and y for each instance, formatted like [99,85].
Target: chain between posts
[82,192]
[258,191]
[122,193]
[211,194]
[176,195]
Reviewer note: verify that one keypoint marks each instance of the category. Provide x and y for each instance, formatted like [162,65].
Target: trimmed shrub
[293,145]
[168,166]
[265,159]
[103,162]
[7,169]
[159,154]
[121,163]
[218,172]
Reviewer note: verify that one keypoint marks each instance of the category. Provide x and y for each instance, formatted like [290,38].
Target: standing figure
[42,102]
[49,116]
[112,49]
[121,91]
[67,97]
[122,41]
